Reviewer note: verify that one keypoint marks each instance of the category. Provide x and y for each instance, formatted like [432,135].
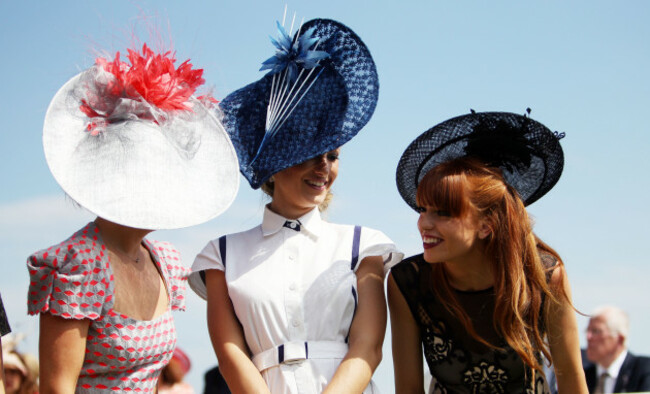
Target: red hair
[467,186]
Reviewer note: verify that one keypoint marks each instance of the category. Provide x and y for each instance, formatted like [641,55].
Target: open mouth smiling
[319,184]
[430,242]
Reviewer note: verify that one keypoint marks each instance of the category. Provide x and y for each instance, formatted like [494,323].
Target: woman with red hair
[486,298]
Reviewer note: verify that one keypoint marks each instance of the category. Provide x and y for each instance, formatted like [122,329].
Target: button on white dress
[294,290]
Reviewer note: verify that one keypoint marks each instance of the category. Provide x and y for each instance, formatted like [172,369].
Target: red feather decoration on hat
[150,78]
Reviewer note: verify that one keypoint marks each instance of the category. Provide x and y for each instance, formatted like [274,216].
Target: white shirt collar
[310,222]
[615,367]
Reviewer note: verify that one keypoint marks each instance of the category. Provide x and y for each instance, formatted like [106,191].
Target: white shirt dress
[294,290]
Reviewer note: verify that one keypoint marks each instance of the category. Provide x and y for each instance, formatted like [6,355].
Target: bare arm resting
[564,341]
[366,333]
[406,342]
[61,348]
[228,339]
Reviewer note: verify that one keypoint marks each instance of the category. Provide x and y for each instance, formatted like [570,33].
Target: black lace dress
[458,363]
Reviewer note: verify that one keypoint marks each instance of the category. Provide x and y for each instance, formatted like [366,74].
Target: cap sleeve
[176,273]
[70,280]
[407,277]
[376,243]
[209,258]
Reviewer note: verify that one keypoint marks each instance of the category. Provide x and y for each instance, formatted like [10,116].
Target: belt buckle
[293,352]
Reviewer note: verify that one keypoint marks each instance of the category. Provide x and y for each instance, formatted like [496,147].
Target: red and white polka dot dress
[74,280]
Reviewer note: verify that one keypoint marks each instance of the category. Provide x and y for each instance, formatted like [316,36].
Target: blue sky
[581,66]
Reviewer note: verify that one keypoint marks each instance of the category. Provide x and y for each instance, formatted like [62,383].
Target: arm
[563,338]
[407,350]
[366,332]
[228,339]
[61,348]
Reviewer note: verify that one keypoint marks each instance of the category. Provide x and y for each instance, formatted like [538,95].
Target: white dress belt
[293,352]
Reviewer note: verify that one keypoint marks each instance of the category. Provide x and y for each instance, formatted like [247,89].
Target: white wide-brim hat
[141,173]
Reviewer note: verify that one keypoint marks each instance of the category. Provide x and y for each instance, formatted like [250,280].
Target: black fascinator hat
[321,90]
[528,154]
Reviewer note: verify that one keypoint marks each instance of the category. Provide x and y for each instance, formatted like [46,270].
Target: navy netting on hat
[528,154]
[333,110]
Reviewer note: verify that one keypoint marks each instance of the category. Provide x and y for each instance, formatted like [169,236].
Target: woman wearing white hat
[130,143]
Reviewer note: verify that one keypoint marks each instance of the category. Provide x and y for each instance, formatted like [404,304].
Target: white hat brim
[135,174]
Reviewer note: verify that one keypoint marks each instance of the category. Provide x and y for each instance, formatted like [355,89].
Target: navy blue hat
[321,90]
[529,154]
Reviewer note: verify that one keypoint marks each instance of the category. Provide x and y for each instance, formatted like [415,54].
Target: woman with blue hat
[296,304]
[486,298]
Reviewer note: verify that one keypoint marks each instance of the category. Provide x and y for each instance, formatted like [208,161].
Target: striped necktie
[600,387]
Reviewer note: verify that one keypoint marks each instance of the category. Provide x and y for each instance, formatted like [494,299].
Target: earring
[271,179]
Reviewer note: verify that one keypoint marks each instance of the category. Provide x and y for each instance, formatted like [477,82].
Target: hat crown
[130,143]
[528,154]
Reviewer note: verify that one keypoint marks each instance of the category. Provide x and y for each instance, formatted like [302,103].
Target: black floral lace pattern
[459,364]
[485,378]
[436,347]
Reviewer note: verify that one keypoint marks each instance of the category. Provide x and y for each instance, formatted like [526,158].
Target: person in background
[19,379]
[20,369]
[33,370]
[614,368]
[131,143]
[15,372]
[486,292]
[171,378]
[297,304]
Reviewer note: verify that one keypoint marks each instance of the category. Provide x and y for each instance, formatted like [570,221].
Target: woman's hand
[406,342]
[62,349]
[366,333]
[228,339]
[563,338]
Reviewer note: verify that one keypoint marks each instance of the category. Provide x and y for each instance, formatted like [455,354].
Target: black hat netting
[528,154]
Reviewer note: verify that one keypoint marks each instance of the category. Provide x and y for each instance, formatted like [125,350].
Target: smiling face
[450,239]
[451,226]
[298,189]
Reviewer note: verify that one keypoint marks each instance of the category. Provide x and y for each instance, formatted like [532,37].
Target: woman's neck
[289,211]
[472,273]
[125,239]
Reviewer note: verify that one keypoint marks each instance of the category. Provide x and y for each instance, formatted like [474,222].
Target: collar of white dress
[311,222]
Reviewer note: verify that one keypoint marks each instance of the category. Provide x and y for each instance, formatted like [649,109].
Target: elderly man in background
[614,369]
